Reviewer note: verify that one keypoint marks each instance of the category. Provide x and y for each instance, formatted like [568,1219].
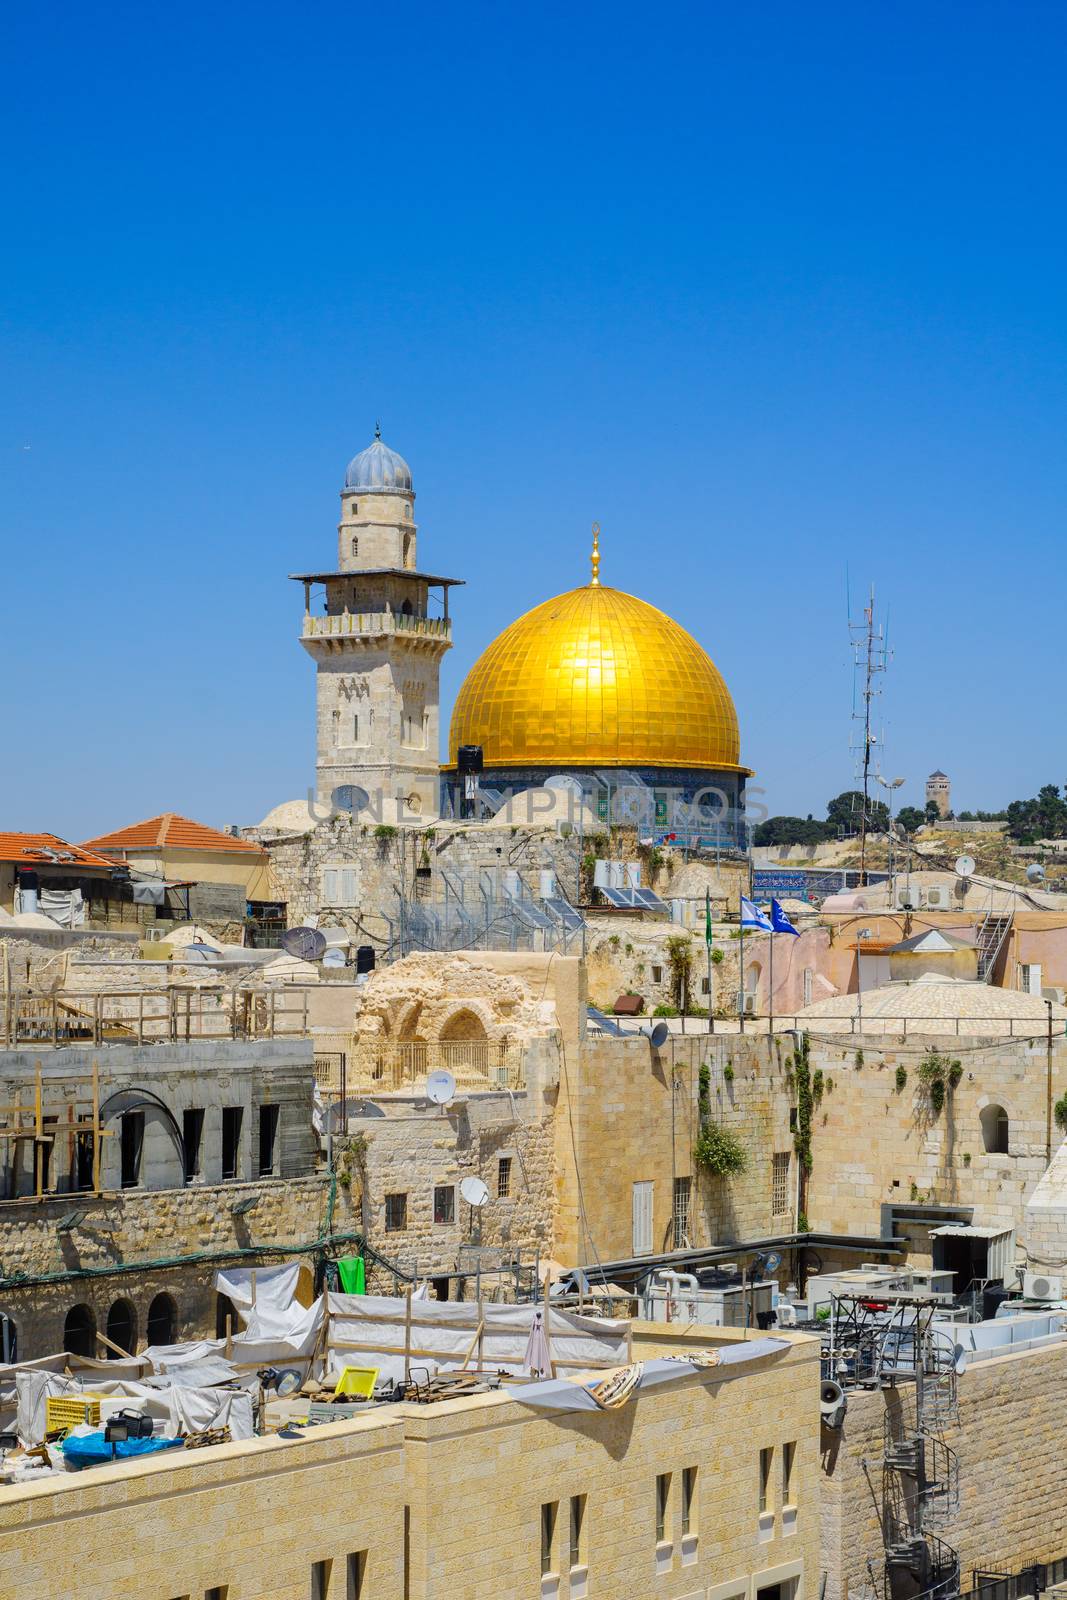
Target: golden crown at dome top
[597,677]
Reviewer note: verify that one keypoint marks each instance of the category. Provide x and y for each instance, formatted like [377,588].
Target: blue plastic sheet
[92,1450]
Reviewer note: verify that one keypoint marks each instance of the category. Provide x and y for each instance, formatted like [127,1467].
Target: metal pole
[740,966]
[1048,1089]
[711,992]
[770,984]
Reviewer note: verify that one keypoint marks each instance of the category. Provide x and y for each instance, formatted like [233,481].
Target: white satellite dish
[1035,872]
[474,1191]
[333,956]
[965,866]
[441,1089]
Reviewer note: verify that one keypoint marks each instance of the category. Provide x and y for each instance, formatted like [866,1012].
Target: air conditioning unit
[938,898]
[745,1003]
[908,900]
[153,935]
[1042,1286]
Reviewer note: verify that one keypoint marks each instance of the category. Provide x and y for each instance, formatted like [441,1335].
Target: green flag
[707,918]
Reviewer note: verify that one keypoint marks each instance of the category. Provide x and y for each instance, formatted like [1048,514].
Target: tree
[791,830]
[1044,817]
[910,818]
[933,815]
[845,813]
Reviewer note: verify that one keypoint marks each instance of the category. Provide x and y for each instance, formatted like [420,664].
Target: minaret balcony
[372,624]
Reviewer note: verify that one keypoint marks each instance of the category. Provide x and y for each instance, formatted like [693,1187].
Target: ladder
[992,932]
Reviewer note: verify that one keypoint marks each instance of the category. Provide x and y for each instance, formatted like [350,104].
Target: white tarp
[179,1408]
[274,1286]
[445,1334]
[559,1395]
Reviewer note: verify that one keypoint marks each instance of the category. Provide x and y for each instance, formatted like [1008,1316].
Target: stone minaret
[377,650]
[939,791]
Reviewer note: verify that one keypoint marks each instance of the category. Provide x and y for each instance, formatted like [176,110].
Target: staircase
[921,1477]
[992,932]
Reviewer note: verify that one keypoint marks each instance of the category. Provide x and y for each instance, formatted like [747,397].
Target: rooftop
[47,850]
[169,831]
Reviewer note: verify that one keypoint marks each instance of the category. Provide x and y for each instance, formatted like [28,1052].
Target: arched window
[407,549]
[407,608]
[79,1331]
[121,1328]
[995,1129]
[162,1320]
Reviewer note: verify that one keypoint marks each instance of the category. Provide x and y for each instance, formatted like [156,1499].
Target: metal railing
[164,1016]
[383,1065]
[351,622]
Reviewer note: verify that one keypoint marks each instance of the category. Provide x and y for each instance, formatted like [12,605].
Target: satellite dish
[333,956]
[657,1035]
[1035,872]
[564,781]
[965,866]
[441,1089]
[306,944]
[772,1263]
[474,1191]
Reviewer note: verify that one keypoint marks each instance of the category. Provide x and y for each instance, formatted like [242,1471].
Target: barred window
[396,1213]
[444,1203]
[780,1183]
[682,1193]
[503,1178]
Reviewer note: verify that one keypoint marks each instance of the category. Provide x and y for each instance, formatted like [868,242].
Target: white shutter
[642,1219]
[348,887]
[329,886]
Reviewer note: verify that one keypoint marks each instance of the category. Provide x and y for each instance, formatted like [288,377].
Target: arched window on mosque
[996,1130]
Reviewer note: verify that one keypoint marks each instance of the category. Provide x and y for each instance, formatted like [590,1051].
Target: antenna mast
[870,656]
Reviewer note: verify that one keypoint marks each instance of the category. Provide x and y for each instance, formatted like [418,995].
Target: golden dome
[595,678]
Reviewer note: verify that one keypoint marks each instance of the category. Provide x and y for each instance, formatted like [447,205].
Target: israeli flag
[780,922]
[753,917]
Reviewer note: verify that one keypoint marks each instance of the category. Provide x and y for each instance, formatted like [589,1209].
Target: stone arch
[79,1331]
[464,1024]
[996,1128]
[409,1020]
[162,1324]
[121,1328]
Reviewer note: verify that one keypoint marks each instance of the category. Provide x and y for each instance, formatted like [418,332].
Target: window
[219,1592]
[689,1501]
[577,1530]
[682,1192]
[549,1513]
[356,1572]
[339,886]
[995,1129]
[355,543]
[162,1324]
[641,1218]
[83,1161]
[444,1203]
[788,1454]
[396,1213]
[268,1140]
[355,728]
[320,1580]
[192,1139]
[657,974]
[705,986]
[663,1506]
[132,1141]
[232,1117]
[503,1178]
[766,1461]
[780,1182]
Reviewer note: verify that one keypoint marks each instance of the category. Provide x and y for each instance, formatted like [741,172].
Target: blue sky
[773,292]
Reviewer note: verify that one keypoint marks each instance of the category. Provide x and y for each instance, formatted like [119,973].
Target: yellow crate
[357,1381]
[68,1410]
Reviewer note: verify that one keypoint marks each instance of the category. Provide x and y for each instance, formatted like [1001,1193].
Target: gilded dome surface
[592,678]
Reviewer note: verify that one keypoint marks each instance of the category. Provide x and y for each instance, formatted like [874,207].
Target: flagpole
[770,985]
[707,951]
[741,965]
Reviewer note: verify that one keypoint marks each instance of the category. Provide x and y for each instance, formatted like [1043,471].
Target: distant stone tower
[938,791]
[376,648]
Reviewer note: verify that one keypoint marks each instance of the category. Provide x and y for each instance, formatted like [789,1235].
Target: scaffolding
[895,1346]
[487,910]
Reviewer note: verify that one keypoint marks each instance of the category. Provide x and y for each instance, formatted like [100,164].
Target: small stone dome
[378,469]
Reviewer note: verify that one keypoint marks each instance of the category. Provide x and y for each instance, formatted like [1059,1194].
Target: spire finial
[595,582]
[378,427]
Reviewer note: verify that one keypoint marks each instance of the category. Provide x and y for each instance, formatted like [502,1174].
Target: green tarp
[353,1275]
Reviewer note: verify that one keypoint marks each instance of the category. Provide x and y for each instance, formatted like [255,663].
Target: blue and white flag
[753,917]
[780,922]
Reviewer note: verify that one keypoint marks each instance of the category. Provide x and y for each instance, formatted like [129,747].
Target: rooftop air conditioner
[938,898]
[1042,1286]
[154,935]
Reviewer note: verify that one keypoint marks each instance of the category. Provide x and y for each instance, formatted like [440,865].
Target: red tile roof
[170,832]
[31,849]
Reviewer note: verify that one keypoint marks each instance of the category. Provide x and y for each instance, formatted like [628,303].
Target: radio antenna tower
[870,657]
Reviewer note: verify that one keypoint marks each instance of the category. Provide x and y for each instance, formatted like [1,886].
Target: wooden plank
[407,1334]
[96,1128]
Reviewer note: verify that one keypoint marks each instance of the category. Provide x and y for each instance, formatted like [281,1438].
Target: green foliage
[728,1073]
[719,1152]
[704,1092]
[665,1011]
[829,1084]
[938,1074]
[966,1158]
[817,1086]
[910,818]
[803,1085]
[844,813]
[859,1059]
[803,1225]
[1043,817]
[680,961]
[385,830]
[791,830]
[901,1078]
[350,1159]
[822,1314]
[1059,1111]
[614,941]
[718,957]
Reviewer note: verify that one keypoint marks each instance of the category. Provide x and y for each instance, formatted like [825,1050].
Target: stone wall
[1012,1413]
[117,1251]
